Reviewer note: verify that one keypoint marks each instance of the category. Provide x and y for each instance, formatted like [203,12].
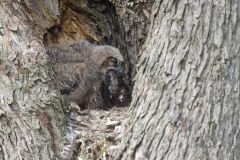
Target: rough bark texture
[186,96]
[32,115]
[134,19]
[31,112]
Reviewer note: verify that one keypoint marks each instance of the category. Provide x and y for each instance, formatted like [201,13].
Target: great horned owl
[80,66]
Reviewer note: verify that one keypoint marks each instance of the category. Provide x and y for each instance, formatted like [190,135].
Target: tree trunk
[134,17]
[186,96]
[31,112]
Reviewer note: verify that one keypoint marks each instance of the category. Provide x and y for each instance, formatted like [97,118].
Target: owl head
[108,58]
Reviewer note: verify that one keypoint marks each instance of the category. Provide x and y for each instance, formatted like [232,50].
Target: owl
[82,65]
[114,91]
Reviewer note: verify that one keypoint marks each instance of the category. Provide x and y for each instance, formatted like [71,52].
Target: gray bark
[31,113]
[186,96]
[134,17]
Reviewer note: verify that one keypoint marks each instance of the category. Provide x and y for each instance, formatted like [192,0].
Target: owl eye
[109,62]
[113,60]
[112,63]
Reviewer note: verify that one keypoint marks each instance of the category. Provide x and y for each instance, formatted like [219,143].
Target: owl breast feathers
[80,66]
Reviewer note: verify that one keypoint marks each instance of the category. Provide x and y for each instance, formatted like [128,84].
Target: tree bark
[31,113]
[186,96]
[134,17]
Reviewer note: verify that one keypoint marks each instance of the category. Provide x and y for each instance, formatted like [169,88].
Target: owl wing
[67,54]
[69,64]
[69,76]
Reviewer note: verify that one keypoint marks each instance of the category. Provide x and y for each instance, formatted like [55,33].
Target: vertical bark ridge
[188,106]
[31,124]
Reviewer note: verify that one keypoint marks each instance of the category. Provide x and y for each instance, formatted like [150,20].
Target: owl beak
[116,68]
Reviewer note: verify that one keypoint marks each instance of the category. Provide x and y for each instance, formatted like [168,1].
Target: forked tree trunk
[31,114]
[186,97]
